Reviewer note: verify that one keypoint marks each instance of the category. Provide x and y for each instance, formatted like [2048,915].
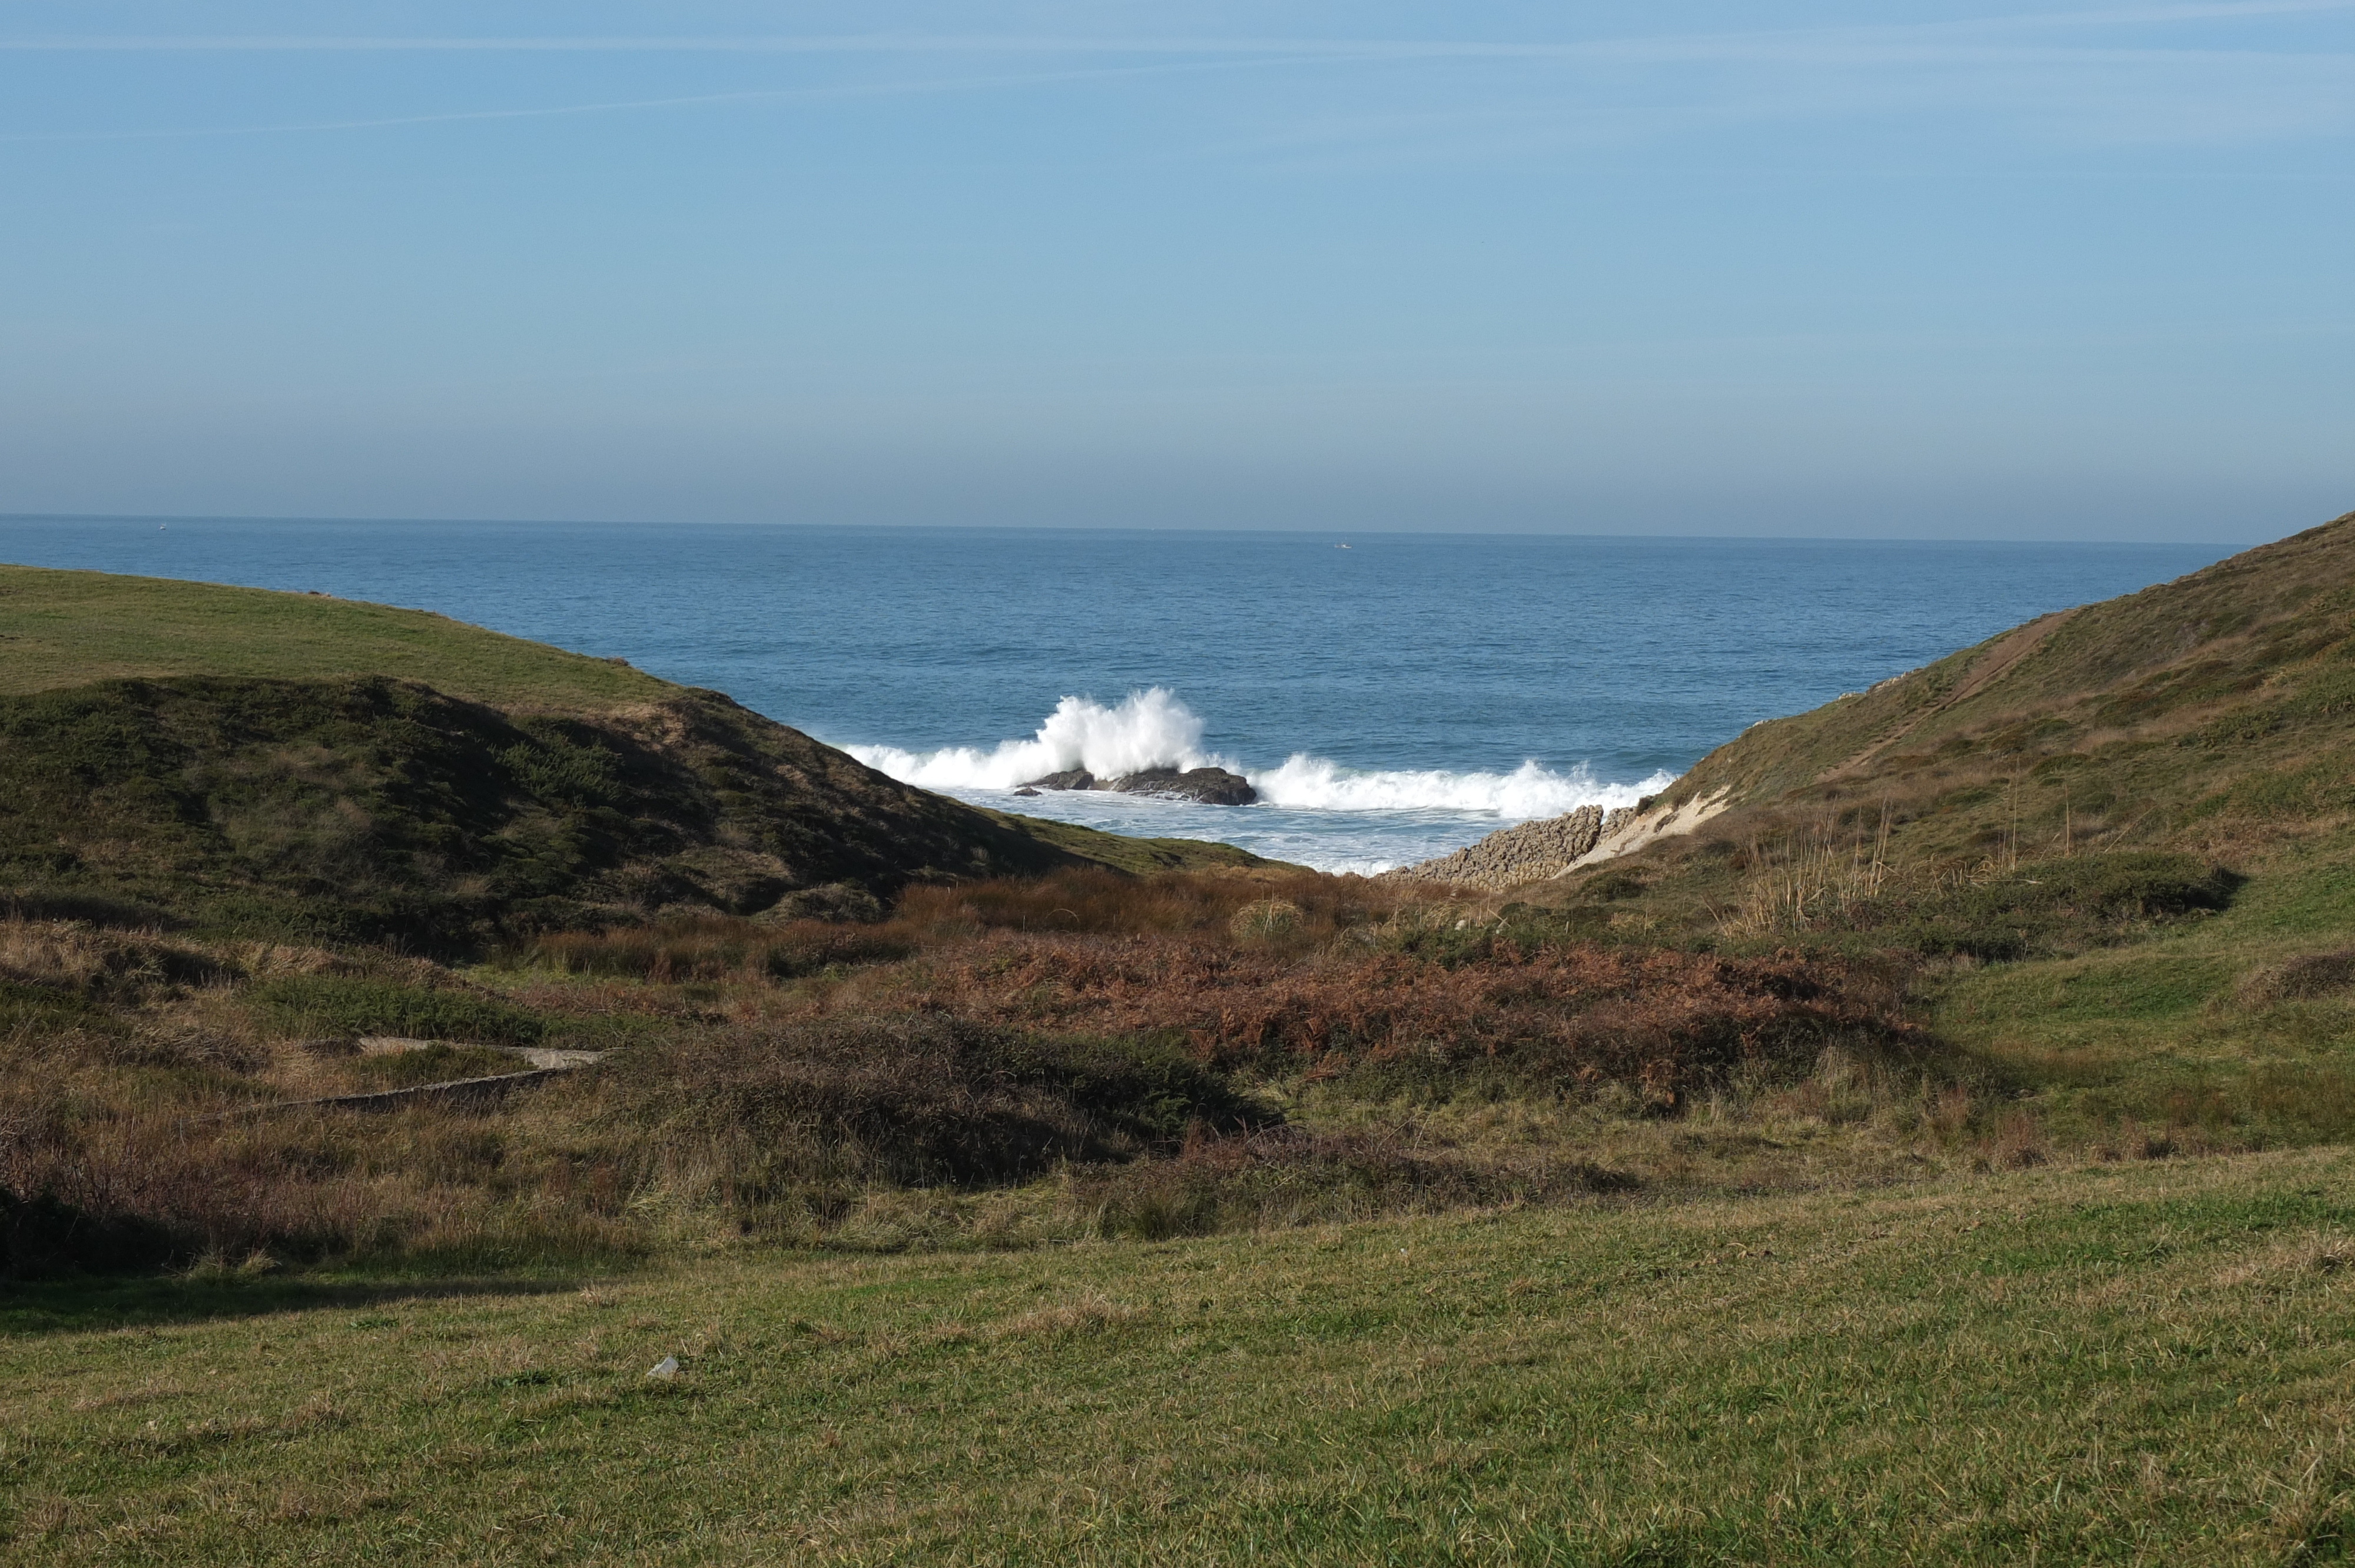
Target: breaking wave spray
[1153,728]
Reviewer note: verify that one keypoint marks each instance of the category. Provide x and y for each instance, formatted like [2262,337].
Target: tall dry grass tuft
[713,948]
[1813,875]
[90,960]
[147,1186]
[1106,904]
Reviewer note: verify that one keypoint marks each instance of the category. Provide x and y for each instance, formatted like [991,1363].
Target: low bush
[714,949]
[1560,1019]
[438,1064]
[335,1004]
[1302,910]
[755,1117]
[40,1011]
[1450,935]
[2305,979]
[43,1235]
[2044,907]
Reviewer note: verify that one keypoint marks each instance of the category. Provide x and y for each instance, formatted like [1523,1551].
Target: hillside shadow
[29,1309]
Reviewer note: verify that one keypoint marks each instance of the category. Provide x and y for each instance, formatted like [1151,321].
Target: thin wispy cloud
[2142,16]
[1680,44]
[942,85]
[1597,91]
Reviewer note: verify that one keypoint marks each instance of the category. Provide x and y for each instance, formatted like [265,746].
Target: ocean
[1391,696]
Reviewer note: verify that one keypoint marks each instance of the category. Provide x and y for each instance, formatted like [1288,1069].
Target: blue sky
[1944,269]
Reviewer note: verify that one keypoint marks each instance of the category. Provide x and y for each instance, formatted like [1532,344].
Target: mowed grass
[2136,1363]
[64,629]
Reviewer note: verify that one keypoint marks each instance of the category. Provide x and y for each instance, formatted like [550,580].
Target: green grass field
[69,629]
[2143,1364]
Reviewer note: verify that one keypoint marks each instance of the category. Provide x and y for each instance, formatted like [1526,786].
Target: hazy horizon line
[1370,531]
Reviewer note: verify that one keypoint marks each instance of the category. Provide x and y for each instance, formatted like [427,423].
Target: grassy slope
[2181,1029]
[2211,719]
[69,629]
[2138,1363]
[2216,709]
[289,763]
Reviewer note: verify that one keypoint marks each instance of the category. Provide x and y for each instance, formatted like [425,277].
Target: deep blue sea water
[1392,696]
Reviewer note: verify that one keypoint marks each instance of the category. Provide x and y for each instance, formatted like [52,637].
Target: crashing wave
[1312,783]
[1153,728]
[1145,729]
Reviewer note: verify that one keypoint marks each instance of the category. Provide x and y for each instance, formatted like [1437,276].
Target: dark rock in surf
[1204,786]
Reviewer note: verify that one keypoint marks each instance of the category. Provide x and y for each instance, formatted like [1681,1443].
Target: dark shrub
[2305,979]
[42,1235]
[325,1004]
[715,947]
[2053,904]
[914,1100]
[2130,886]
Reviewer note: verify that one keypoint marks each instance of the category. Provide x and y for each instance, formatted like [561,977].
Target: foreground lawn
[2133,1364]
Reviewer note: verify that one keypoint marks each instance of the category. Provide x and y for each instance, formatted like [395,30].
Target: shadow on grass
[82,1305]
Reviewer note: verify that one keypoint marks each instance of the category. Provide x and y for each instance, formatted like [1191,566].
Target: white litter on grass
[665,1369]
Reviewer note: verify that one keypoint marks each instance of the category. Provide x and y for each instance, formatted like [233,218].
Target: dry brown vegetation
[1087,1053]
[995,1064]
[1154,1051]
[2022,846]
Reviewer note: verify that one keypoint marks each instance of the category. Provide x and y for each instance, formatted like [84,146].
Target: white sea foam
[1312,783]
[1153,729]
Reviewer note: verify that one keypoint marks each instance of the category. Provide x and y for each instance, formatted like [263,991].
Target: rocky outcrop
[1626,832]
[1529,853]
[1205,786]
[1556,846]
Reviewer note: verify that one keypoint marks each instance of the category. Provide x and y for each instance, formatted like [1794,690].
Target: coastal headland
[418,1042]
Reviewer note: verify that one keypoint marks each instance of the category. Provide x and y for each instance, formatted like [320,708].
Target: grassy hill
[2214,714]
[2113,849]
[61,629]
[288,764]
[1939,1156]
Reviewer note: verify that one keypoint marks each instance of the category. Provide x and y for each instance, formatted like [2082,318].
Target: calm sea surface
[1392,696]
